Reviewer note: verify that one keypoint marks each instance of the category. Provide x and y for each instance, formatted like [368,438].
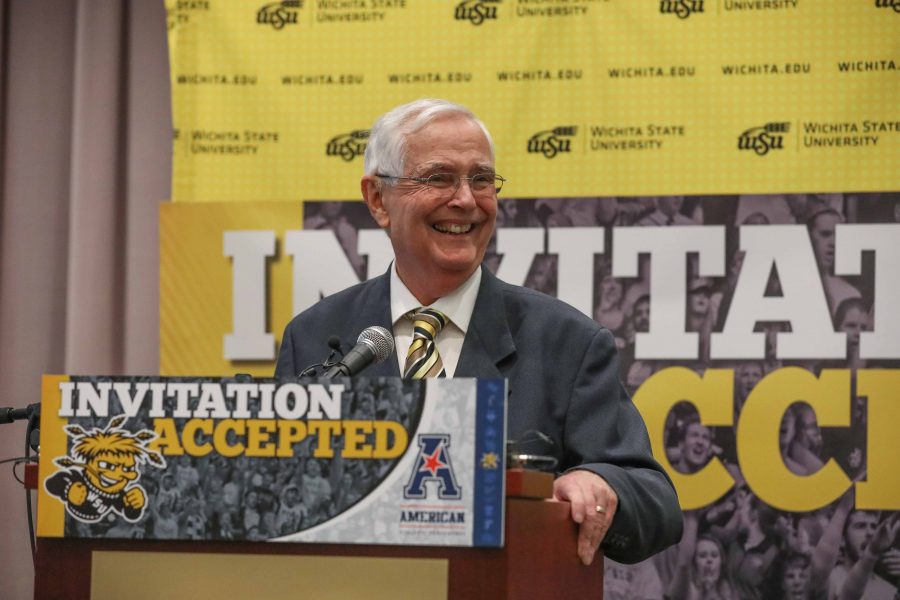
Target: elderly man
[430,184]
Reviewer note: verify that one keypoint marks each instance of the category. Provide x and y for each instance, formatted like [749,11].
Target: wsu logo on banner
[551,142]
[762,139]
[681,8]
[895,4]
[348,145]
[476,12]
[433,464]
[279,14]
[99,476]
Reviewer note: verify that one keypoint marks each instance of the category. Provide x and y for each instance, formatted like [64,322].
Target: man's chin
[456,261]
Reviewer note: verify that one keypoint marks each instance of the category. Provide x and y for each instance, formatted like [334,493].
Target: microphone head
[380,340]
[334,342]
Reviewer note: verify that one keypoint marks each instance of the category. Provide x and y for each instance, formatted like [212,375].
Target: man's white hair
[386,148]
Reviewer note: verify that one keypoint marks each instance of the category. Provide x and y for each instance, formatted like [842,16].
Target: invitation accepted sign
[363,461]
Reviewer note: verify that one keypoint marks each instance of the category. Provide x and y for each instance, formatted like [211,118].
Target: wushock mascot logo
[100,473]
[433,464]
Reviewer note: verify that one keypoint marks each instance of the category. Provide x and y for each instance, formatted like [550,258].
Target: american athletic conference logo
[279,14]
[476,12]
[551,142]
[348,145]
[763,139]
[681,8]
[433,464]
[895,4]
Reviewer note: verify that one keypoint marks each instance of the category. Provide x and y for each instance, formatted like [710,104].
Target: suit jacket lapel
[488,339]
[374,308]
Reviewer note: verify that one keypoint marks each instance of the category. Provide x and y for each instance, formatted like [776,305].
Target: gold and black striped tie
[423,360]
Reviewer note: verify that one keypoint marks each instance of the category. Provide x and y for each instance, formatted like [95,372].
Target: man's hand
[884,536]
[891,562]
[586,491]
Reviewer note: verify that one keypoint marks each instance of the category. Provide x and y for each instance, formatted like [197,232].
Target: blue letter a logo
[433,464]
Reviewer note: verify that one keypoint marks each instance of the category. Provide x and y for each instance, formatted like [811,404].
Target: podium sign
[349,461]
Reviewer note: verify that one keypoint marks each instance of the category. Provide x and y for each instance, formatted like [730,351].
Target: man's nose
[463,196]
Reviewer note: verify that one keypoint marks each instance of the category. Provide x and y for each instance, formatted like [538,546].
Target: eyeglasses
[481,184]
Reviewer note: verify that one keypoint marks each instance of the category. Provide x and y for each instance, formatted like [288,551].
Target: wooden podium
[537,562]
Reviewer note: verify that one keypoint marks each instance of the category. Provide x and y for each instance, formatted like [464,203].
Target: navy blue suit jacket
[563,379]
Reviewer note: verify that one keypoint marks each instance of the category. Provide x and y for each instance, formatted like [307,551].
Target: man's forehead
[698,428]
[861,516]
[446,138]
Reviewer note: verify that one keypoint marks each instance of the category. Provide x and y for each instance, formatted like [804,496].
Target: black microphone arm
[374,345]
[8,415]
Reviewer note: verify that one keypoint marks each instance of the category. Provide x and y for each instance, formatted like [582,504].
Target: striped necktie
[423,360]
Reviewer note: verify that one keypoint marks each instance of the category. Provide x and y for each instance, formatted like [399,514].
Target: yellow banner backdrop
[272,100]
[606,114]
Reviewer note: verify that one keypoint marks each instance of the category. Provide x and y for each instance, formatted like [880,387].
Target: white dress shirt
[457,306]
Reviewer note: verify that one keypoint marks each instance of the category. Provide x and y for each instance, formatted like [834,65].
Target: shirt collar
[457,305]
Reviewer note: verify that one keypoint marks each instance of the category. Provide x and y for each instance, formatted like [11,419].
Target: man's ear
[373,194]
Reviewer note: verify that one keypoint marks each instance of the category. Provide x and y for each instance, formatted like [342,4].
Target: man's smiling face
[439,236]
[697,442]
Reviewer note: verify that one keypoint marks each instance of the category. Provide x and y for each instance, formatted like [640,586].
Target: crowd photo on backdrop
[737,546]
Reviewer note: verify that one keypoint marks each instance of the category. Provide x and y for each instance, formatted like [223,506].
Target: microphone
[334,342]
[373,346]
[8,415]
